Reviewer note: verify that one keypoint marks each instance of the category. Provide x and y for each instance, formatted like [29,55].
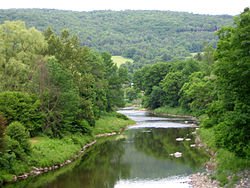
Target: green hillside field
[118,60]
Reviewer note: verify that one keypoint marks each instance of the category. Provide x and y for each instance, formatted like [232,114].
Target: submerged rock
[179,139]
[177,154]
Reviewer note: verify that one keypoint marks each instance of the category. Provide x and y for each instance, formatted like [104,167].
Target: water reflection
[174,181]
[139,157]
[100,167]
[160,143]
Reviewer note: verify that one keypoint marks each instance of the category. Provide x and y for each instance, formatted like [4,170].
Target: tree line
[147,37]
[213,85]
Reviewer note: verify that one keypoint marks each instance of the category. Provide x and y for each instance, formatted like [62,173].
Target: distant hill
[145,36]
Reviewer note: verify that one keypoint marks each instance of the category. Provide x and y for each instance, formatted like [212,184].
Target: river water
[139,157]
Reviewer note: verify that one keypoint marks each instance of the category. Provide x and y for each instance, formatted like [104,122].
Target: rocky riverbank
[201,180]
[38,171]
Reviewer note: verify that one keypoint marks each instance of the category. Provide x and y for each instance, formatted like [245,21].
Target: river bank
[50,154]
[206,179]
[201,180]
[222,170]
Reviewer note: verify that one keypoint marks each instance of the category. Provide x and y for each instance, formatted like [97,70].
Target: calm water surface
[139,157]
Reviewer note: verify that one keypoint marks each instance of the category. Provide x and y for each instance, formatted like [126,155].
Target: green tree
[199,91]
[171,85]
[131,94]
[155,99]
[20,49]
[208,54]
[115,77]
[154,75]
[58,96]
[231,111]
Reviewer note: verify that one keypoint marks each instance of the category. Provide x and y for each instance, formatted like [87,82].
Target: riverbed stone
[14,178]
[179,139]
[35,168]
[177,154]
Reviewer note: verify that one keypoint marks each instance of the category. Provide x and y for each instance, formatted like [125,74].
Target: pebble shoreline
[201,180]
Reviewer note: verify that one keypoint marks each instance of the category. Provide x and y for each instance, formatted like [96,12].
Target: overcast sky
[231,7]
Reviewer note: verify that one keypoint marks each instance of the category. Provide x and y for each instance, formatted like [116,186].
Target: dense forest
[147,37]
[213,86]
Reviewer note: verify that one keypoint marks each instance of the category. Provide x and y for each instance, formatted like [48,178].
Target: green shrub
[22,107]
[4,176]
[14,146]
[19,167]
[18,140]
[83,127]
[6,160]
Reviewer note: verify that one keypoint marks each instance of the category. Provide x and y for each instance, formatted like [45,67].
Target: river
[142,156]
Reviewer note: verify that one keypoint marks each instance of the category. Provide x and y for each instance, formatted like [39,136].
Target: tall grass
[111,123]
[49,152]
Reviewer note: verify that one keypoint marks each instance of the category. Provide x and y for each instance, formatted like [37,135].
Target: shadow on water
[100,166]
[139,157]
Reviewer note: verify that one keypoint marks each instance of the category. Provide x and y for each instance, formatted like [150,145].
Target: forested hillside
[145,36]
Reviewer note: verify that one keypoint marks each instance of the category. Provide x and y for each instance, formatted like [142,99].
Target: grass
[121,60]
[47,152]
[171,110]
[109,123]
[227,163]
